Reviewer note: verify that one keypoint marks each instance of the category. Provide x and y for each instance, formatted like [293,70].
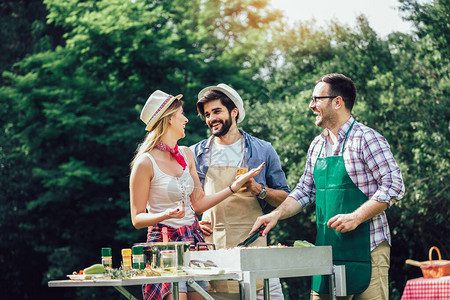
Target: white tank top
[168,191]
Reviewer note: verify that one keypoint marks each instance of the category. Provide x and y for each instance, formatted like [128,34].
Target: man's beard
[328,119]
[225,127]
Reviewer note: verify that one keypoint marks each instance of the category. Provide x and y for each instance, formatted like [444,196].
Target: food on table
[303,243]
[95,269]
[150,272]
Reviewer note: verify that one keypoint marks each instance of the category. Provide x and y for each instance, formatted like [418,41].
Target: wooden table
[427,288]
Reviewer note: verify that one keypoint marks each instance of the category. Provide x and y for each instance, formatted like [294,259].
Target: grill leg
[249,285]
[332,294]
[241,290]
[266,289]
[339,276]
[175,294]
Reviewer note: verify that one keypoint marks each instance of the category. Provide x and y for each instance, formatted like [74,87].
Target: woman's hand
[242,179]
[176,213]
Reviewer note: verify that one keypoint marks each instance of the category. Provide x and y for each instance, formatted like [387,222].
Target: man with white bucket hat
[230,151]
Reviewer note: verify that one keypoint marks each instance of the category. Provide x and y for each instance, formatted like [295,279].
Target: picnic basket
[432,268]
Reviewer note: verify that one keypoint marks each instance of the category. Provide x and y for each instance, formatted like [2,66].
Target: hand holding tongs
[253,236]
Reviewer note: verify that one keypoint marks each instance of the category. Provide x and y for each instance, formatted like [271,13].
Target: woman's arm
[199,201]
[140,178]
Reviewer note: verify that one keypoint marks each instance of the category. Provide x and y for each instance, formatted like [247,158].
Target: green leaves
[70,112]
[71,175]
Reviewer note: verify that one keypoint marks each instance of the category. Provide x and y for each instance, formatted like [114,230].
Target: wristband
[231,189]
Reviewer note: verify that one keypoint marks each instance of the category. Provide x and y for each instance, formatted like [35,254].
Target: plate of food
[78,277]
[81,277]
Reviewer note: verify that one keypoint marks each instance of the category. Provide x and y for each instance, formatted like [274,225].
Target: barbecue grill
[274,262]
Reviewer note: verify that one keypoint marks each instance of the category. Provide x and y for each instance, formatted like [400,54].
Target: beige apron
[232,219]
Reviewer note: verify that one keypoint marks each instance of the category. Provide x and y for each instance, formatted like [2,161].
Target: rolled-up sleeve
[380,160]
[275,177]
[305,190]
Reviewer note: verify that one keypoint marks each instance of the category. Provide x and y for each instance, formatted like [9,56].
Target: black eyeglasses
[314,99]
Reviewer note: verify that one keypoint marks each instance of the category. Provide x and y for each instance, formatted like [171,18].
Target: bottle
[138,257]
[126,258]
[106,257]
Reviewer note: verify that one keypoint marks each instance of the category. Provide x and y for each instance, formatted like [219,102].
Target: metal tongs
[253,236]
[202,263]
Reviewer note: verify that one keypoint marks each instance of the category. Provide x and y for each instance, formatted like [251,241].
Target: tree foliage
[71,101]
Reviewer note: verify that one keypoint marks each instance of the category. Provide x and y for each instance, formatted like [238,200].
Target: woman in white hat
[164,185]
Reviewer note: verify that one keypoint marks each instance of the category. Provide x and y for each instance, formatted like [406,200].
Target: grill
[274,262]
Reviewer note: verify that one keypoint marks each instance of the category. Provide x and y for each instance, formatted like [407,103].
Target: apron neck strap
[346,135]
[345,139]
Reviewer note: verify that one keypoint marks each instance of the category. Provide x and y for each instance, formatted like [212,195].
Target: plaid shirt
[187,233]
[369,163]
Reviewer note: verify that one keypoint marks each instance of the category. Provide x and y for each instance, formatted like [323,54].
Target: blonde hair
[157,131]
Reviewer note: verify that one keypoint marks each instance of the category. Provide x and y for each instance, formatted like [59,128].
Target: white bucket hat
[231,93]
[156,105]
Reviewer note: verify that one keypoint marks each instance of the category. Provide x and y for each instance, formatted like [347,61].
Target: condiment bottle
[106,257]
[126,258]
[138,257]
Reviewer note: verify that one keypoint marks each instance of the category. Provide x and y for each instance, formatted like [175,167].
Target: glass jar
[169,260]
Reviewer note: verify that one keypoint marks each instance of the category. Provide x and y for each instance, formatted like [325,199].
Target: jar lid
[137,250]
[126,252]
[106,251]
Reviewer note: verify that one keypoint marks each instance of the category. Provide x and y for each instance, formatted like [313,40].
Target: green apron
[337,194]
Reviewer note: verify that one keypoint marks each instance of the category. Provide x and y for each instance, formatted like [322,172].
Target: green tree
[71,118]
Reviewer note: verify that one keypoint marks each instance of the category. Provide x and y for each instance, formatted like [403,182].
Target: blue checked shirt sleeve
[305,191]
[385,171]
[199,163]
[275,177]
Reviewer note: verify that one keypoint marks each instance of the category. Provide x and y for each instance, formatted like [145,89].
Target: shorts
[183,287]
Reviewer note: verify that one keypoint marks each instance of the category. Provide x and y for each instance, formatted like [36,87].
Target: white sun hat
[156,105]
[231,93]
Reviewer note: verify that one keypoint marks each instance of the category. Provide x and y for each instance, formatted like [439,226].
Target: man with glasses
[353,178]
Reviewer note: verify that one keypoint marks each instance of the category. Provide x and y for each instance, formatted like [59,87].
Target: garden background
[75,75]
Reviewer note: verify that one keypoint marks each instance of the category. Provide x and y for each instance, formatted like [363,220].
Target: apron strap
[346,135]
[345,139]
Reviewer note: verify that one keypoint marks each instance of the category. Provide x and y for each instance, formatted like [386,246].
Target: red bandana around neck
[174,152]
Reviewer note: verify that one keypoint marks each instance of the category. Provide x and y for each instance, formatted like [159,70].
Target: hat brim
[236,102]
[153,122]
